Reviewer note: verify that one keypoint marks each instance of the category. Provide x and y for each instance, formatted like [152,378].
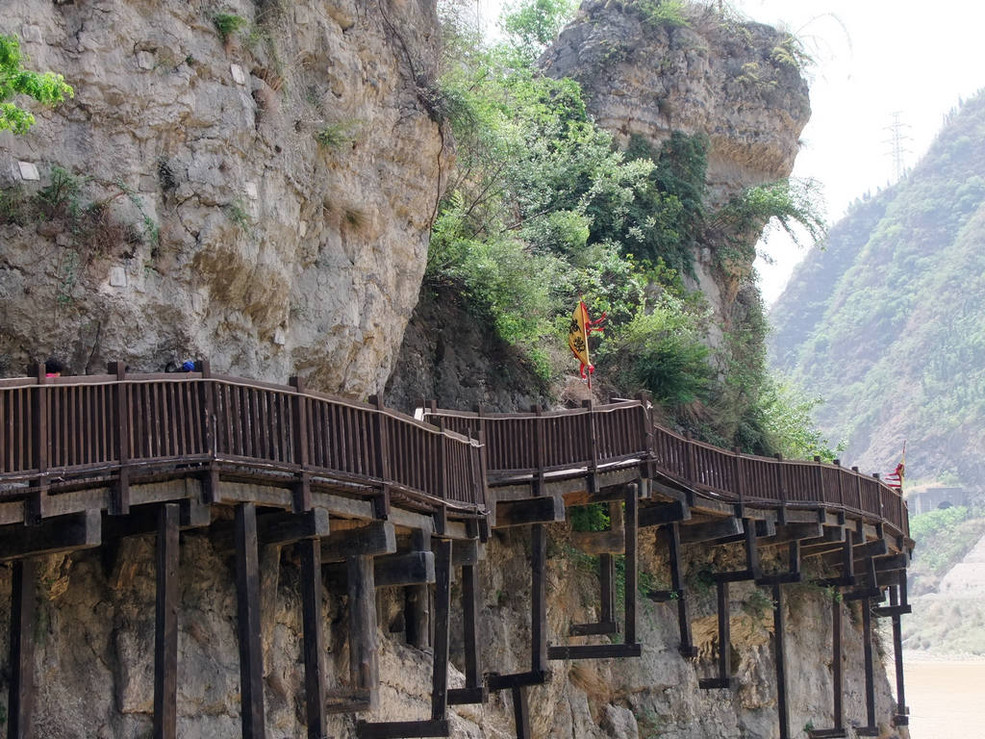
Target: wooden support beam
[145,519]
[287,528]
[475,687]
[52,535]
[893,563]
[521,713]
[248,622]
[836,657]
[392,570]
[895,599]
[466,552]
[794,532]
[166,624]
[442,612]
[399,729]
[631,589]
[598,543]
[870,687]
[659,514]
[829,535]
[760,528]
[23,606]
[875,548]
[781,661]
[607,586]
[711,531]
[314,638]
[364,667]
[375,538]
[600,628]
[529,511]
[593,651]
[687,647]
[538,598]
[497,682]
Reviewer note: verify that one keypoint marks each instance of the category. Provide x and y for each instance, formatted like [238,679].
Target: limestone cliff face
[213,223]
[95,645]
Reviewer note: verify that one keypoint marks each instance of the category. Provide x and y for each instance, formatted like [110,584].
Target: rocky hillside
[885,318]
[252,183]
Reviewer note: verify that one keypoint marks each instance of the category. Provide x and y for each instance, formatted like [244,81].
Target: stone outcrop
[263,201]
[738,83]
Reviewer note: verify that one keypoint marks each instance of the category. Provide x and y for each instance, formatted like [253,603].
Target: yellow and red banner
[581,327]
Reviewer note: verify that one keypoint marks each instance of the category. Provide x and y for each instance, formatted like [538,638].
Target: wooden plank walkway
[352,485]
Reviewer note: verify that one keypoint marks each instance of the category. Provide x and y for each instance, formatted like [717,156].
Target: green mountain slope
[887,322]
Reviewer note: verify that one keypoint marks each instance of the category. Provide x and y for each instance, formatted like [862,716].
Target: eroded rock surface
[226,230]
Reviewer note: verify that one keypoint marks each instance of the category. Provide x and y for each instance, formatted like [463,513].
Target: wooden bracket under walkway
[677,592]
[722,579]
[607,623]
[438,724]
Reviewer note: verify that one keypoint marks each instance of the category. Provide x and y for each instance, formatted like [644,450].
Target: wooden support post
[687,648]
[302,487]
[474,682]
[364,668]
[314,639]
[896,596]
[781,667]
[521,713]
[870,687]
[166,624]
[630,523]
[724,636]
[210,487]
[538,598]
[120,501]
[607,577]
[20,698]
[417,600]
[593,449]
[248,613]
[442,609]
[836,657]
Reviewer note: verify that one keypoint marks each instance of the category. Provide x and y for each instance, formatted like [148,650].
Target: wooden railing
[63,431]
[595,438]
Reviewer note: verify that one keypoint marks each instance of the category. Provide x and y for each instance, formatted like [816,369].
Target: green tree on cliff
[47,88]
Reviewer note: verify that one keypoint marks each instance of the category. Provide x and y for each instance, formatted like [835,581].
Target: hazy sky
[873,58]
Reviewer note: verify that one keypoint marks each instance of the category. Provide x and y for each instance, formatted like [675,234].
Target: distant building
[932,498]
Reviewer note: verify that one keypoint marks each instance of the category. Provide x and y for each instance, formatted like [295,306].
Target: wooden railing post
[35,504]
[299,409]
[442,460]
[740,487]
[841,483]
[858,489]
[782,486]
[692,460]
[538,441]
[121,490]
[821,493]
[649,451]
[382,501]
[882,508]
[592,441]
[211,487]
